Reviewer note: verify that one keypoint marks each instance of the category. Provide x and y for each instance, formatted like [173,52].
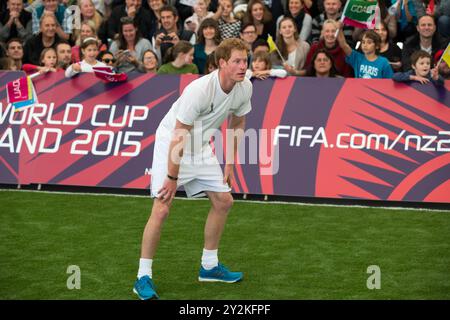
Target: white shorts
[198,173]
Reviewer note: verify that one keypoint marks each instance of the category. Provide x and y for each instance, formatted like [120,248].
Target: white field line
[236,200]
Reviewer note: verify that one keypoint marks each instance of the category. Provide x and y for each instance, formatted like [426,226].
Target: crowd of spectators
[180,36]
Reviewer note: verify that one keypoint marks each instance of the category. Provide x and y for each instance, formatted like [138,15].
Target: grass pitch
[286,251]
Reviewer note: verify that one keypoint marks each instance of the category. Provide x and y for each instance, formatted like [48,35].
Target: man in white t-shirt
[183,156]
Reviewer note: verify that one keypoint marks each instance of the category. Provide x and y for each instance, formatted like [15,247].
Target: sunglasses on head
[107,60]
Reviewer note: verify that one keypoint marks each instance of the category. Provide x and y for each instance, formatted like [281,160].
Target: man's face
[15,5]
[168,20]
[426,27]
[332,7]
[15,50]
[64,53]
[48,27]
[249,34]
[236,66]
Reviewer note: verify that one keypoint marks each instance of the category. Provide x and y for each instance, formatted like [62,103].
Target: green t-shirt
[168,68]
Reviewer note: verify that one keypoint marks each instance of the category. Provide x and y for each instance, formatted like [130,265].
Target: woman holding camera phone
[129,48]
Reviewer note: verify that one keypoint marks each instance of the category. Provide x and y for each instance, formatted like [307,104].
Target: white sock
[145,268]
[209,259]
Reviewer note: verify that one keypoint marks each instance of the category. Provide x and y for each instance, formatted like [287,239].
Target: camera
[166,38]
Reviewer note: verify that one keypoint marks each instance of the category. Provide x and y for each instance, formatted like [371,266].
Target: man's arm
[167,192]
[237,126]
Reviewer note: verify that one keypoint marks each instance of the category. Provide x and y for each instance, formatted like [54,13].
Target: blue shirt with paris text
[365,69]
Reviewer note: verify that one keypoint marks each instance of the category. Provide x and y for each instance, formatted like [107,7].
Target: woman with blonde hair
[87,13]
[329,43]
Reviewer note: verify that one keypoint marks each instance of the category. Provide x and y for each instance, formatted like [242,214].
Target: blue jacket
[404,77]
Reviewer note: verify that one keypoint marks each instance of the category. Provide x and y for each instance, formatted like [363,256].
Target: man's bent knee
[160,210]
[222,201]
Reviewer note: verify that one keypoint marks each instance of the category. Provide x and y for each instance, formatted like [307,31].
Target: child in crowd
[89,51]
[48,60]
[421,70]
[180,56]
[443,67]
[6,63]
[210,65]
[262,67]
[369,64]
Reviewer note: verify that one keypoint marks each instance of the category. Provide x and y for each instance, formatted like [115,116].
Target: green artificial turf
[286,251]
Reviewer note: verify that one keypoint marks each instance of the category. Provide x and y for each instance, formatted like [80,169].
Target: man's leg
[221,203]
[144,286]
[152,231]
[211,269]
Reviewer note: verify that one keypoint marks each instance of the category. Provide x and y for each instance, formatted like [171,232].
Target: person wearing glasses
[149,63]
[248,34]
[107,58]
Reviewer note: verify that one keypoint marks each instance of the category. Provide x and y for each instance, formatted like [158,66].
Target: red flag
[107,74]
[430,8]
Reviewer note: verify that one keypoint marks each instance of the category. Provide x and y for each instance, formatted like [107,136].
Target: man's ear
[222,63]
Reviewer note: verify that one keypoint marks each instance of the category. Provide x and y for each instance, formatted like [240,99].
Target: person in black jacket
[15,22]
[46,38]
[426,39]
[132,9]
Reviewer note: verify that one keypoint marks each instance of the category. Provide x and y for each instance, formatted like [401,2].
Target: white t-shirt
[85,67]
[291,58]
[204,105]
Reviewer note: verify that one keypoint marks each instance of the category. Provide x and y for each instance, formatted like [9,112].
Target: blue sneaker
[219,274]
[145,289]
